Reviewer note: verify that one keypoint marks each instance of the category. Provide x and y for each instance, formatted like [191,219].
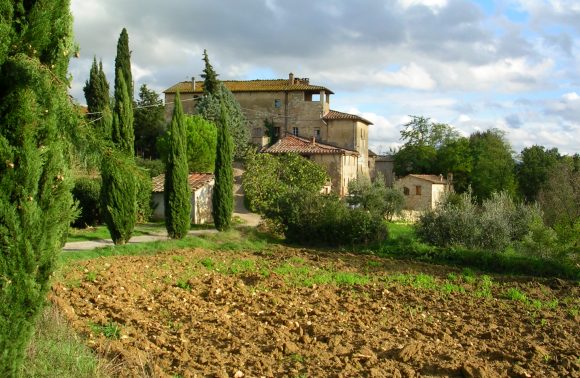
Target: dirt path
[251,219]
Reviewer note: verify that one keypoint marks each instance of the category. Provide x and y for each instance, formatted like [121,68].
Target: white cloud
[433,4]
[511,75]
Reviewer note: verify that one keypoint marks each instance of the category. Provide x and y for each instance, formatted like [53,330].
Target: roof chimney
[193,83]
[291,78]
[313,141]
[441,178]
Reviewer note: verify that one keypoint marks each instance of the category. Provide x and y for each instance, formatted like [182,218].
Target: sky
[513,65]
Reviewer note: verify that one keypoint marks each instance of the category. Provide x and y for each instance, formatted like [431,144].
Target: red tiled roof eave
[295,144]
[196,181]
[336,115]
[431,178]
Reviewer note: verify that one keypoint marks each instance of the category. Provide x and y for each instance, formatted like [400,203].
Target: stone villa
[302,120]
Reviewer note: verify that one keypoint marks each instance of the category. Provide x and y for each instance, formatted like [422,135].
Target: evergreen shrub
[86,193]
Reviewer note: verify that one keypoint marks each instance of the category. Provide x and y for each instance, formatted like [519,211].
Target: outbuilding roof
[431,178]
[196,181]
[295,144]
[334,114]
[276,85]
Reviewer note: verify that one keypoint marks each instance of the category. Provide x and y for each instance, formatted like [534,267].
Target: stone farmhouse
[423,192]
[302,119]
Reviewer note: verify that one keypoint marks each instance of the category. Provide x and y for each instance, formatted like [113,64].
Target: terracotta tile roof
[333,114]
[431,178]
[196,181]
[275,85]
[372,153]
[294,144]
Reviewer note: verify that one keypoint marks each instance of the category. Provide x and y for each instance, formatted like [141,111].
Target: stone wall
[420,194]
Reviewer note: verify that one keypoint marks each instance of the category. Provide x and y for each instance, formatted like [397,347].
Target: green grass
[110,330]
[56,351]
[307,276]
[404,244]
[234,240]
[102,233]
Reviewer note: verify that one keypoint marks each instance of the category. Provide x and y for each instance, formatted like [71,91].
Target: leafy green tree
[493,165]
[375,197]
[268,178]
[123,62]
[177,194]
[422,138]
[36,205]
[201,144]
[209,107]
[223,191]
[533,170]
[415,159]
[149,123]
[454,157]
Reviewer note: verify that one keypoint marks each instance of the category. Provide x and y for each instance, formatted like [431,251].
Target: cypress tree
[177,195]
[122,134]
[209,107]
[123,62]
[36,206]
[118,190]
[223,191]
[210,80]
[118,195]
[97,95]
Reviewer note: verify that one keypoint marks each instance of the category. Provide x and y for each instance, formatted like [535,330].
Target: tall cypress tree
[36,206]
[122,134]
[97,95]
[210,80]
[223,191]
[123,62]
[177,194]
[118,190]
[215,95]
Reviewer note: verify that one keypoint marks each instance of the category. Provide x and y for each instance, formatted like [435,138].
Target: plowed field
[302,313]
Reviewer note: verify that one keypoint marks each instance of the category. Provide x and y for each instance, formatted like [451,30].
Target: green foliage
[210,80]
[153,167]
[144,189]
[454,157]
[122,133]
[422,139]
[534,169]
[313,218]
[123,63]
[270,131]
[201,144]
[375,197]
[118,195]
[87,194]
[494,225]
[36,205]
[223,191]
[149,123]
[493,165]
[177,193]
[269,178]
[209,107]
[97,95]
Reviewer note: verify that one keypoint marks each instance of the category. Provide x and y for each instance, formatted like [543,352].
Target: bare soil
[198,313]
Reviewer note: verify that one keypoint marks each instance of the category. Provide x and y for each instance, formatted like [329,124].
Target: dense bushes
[495,225]
[375,197]
[313,218]
[86,193]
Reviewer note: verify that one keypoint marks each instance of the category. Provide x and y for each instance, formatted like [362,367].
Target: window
[257,132]
[418,190]
[295,131]
[317,133]
[276,131]
[406,191]
[277,103]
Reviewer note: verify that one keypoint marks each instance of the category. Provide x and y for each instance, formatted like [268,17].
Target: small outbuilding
[201,185]
[423,192]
